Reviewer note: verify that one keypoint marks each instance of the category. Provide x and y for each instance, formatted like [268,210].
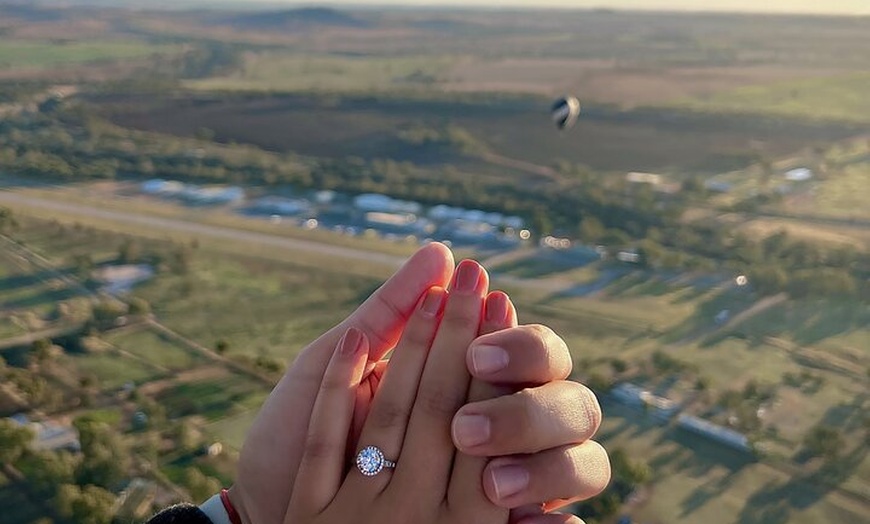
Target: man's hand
[541,433]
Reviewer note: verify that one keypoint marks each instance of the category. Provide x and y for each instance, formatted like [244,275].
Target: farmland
[322,126]
[42,55]
[620,318]
[451,108]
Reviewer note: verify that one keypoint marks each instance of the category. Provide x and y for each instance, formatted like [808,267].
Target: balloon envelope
[565,112]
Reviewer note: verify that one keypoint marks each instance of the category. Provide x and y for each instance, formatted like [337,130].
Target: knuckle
[440,403]
[527,419]
[581,408]
[462,321]
[418,336]
[318,449]
[389,416]
[591,409]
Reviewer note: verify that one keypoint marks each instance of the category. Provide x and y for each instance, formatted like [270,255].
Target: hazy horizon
[846,7]
[830,7]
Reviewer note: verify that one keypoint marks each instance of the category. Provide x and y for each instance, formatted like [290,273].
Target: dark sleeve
[180,514]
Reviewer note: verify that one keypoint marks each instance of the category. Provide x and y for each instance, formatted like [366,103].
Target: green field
[845,194]
[111,370]
[232,430]
[286,72]
[34,54]
[257,306]
[842,97]
[153,348]
[214,398]
[697,481]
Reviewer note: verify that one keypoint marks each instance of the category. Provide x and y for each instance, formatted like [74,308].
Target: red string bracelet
[228,505]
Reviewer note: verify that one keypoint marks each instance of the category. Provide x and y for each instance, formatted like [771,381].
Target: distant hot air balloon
[565,112]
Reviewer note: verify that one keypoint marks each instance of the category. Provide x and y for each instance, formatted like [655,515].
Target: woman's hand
[409,422]
[274,446]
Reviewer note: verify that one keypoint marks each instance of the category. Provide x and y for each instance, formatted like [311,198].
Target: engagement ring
[370,461]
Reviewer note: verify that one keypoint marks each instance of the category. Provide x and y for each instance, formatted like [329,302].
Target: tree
[591,229]
[107,311]
[541,223]
[83,264]
[86,505]
[129,252]
[139,306]
[14,440]
[106,456]
[47,470]
[186,437]
[7,220]
[41,350]
[221,346]
[823,441]
[618,365]
[199,485]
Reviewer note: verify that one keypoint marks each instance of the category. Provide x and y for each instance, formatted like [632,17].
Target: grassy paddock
[286,72]
[43,55]
[841,97]
[153,348]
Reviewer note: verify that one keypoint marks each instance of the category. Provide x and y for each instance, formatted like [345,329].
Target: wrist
[236,499]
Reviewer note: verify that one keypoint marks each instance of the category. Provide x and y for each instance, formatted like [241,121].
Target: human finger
[499,313]
[466,489]
[322,468]
[551,518]
[575,472]
[272,450]
[532,420]
[443,387]
[394,398]
[524,355]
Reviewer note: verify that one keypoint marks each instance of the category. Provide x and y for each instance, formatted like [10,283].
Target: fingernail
[431,305]
[488,359]
[351,342]
[471,430]
[467,276]
[509,480]
[497,308]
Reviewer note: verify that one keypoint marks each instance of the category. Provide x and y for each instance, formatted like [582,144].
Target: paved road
[181,226]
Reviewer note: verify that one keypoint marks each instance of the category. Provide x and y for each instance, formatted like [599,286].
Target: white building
[375,202]
[720,434]
[800,174]
[283,206]
[644,178]
[50,436]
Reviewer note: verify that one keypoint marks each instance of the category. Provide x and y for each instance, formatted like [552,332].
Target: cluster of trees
[73,486]
[69,144]
[742,406]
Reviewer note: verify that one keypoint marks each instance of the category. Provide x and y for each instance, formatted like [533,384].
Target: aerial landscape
[190,196]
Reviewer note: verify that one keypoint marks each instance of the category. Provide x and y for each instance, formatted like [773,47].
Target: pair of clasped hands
[475,411]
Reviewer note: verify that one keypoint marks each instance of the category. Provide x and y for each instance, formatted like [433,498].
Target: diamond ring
[370,461]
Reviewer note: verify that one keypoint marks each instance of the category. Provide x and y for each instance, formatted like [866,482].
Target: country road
[263,239]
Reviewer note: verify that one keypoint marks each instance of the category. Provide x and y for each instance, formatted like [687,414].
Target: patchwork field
[287,304]
[330,127]
[29,54]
